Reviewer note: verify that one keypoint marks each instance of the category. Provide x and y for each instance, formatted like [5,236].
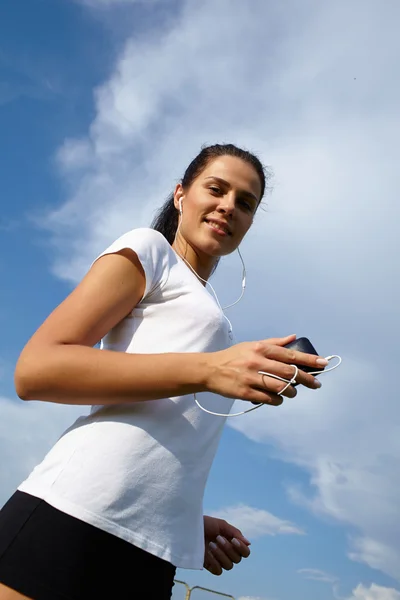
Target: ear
[178,193]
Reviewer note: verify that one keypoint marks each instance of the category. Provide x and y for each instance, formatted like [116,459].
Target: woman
[116,505]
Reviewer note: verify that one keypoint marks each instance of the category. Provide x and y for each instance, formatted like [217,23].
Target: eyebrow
[227,184]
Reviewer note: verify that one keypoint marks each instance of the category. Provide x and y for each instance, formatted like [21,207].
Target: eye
[246,204]
[215,189]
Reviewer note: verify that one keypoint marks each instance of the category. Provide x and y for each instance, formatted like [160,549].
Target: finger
[272,386]
[229,532]
[277,386]
[257,396]
[242,539]
[287,371]
[236,548]
[281,341]
[307,380]
[221,557]
[212,565]
[241,547]
[229,549]
[289,356]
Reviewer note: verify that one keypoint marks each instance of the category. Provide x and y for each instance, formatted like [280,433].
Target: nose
[226,205]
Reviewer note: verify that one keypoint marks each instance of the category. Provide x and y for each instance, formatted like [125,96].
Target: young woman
[116,505]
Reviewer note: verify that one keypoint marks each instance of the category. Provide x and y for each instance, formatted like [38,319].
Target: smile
[218,227]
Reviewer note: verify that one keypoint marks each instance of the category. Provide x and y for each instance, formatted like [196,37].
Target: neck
[203,266]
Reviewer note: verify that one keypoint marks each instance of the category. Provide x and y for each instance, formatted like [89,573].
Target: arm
[59,363]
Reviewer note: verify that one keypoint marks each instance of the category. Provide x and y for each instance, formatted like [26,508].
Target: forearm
[72,374]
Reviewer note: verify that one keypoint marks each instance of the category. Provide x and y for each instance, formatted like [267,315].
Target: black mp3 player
[303,344]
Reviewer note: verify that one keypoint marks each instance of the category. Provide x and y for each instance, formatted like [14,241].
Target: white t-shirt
[138,470]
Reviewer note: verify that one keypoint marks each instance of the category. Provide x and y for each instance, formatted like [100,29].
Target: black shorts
[48,555]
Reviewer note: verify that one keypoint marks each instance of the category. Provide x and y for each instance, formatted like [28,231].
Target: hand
[234,372]
[225,545]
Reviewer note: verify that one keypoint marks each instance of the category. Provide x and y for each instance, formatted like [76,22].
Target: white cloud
[361,592]
[320,103]
[374,592]
[255,522]
[251,598]
[377,554]
[350,448]
[27,431]
[317,575]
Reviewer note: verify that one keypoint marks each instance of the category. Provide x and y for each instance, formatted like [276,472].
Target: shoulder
[153,251]
[146,234]
[150,246]
[145,242]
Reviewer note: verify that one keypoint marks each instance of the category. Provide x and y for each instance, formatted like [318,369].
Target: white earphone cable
[289,382]
[222,308]
[243,283]
[262,373]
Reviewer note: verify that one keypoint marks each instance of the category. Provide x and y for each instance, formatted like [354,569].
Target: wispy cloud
[256,522]
[23,78]
[10,91]
[317,575]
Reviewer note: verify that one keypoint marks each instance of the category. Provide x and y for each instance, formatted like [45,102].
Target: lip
[224,228]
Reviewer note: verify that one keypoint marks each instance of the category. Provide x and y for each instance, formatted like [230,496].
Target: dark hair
[166,220]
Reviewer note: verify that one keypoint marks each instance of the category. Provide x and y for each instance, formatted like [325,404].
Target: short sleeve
[152,250]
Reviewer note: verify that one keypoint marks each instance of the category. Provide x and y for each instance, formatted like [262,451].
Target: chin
[219,251]
[214,248]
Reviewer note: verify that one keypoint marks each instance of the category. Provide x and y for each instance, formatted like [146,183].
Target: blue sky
[102,105]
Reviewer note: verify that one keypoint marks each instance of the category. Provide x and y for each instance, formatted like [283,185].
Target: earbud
[180,206]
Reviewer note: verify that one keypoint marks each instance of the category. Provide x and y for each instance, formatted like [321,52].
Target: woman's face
[219,206]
